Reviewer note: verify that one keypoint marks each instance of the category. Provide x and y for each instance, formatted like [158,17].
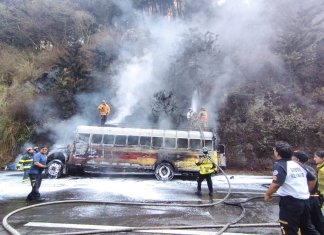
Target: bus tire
[164,171]
[54,169]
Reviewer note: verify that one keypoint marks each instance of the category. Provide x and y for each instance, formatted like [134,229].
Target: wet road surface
[81,216]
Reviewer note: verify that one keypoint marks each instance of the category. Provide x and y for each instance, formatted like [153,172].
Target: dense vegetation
[58,58]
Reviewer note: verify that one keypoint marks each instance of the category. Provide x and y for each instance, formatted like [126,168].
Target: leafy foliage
[164,104]
[298,45]
[157,7]
[27,23]
[195,68]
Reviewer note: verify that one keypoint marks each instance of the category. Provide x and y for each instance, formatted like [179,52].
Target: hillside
[258,68]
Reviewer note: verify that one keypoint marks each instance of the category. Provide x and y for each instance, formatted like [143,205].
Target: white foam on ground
[133,188]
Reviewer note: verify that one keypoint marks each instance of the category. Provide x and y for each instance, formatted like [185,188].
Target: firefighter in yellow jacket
[25,162]
[203,118]
[319,161]
[104,111]
[207,168]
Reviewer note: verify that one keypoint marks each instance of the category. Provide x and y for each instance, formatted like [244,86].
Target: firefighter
[189,113]
[292,183]
[319,161]
[25,163]
[189,117]
[203,118]
[314,200]
[104,111]
[194,121]
[206,168]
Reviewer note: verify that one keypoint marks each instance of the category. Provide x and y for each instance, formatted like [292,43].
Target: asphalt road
[93,204]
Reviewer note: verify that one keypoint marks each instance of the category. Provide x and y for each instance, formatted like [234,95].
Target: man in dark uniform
[290,180]
[25,163]
[314,200]
[35,174]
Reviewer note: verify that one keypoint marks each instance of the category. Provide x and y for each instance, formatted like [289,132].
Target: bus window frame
[194,148]
[92,137]
[133,145]
[157,147]
[169,147]
[209,146]
[82,140]
[177,141]
[145,146]
[109,144]
[120,145]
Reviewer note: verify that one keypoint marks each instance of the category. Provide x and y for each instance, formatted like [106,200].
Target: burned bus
[119,150]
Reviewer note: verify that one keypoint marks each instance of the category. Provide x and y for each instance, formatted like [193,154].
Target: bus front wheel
[54,169]
[164,171]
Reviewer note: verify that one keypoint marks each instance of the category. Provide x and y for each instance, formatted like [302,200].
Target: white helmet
[204,150]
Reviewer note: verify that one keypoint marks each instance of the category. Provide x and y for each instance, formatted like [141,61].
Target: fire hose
[13,231]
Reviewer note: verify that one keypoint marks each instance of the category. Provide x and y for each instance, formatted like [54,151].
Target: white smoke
[245,36]
[63,131]
[244,31]
[194,101]
[140,77]
[133,82]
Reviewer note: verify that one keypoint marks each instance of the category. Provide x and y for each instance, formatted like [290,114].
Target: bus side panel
[186,160]
[134,157]
[123,158]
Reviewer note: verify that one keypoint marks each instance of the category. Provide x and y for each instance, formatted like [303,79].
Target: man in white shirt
[292,183]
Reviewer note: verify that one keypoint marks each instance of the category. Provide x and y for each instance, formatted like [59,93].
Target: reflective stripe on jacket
[25,162]
[206,165]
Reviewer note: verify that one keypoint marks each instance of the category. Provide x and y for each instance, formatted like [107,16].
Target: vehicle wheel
[54,169]
[164,172]
[74,171]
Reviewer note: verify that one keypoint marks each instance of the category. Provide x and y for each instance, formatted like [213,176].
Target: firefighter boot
[198,193]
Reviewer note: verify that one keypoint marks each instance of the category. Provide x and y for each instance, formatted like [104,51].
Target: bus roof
[144,132]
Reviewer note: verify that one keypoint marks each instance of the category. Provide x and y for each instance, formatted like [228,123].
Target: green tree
[195,68]
[300,33]
[164,106]
[75,77]
[27,24]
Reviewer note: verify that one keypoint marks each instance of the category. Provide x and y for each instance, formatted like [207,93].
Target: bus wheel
[54,169]
[164,171]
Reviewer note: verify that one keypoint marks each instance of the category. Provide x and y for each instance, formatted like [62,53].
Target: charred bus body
[134,150]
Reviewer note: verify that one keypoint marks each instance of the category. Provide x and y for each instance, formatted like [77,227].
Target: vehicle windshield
[82,138]
[81,148]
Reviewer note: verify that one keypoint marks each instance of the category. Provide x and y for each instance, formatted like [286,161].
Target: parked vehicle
[134,150]
[12,166]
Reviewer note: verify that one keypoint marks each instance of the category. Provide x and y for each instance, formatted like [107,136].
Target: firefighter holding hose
[207,168]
